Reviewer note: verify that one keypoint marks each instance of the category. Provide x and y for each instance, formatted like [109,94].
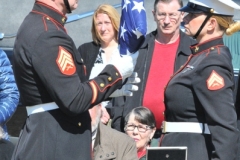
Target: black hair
[142,115]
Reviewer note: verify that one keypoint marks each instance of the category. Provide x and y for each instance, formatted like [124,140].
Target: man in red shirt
[162,54]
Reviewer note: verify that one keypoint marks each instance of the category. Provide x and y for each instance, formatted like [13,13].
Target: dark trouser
[6,149]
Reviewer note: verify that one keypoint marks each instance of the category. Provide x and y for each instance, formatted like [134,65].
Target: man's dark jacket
[142,68]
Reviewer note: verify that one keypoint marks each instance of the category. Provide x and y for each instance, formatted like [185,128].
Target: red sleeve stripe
[95,93]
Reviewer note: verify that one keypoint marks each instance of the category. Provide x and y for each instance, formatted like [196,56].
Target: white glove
[125,64]
[128,88]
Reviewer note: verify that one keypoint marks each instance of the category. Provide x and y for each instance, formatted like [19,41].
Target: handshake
[125,65]
[128,88]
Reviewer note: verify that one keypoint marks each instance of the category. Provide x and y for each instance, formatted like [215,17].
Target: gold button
[116,74]
[109,79]
[211,10]
[48,18]
[79,124]
[196,48]
[101,85]
[63,19]
[212,48]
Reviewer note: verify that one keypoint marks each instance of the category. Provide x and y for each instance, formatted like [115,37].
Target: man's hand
[105,116]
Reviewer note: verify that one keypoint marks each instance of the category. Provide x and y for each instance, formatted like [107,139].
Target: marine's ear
[212,24]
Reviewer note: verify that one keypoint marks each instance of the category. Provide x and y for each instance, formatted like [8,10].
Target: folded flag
[133,26]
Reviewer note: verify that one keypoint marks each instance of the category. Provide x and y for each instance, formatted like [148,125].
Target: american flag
[133,26]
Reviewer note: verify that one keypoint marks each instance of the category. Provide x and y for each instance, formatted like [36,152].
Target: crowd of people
[83,103]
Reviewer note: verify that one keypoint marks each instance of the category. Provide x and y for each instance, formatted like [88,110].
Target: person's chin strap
[203,24]
[67,6]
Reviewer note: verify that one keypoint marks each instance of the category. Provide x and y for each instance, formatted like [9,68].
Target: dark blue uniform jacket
[47,69]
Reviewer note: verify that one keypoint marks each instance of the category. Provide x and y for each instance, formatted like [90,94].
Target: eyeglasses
[141,128]
[172,16]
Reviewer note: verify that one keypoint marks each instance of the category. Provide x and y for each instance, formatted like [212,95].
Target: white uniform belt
[41,108]
[191,127]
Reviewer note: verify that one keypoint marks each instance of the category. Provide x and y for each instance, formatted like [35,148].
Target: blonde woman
[104,48]
[105,25]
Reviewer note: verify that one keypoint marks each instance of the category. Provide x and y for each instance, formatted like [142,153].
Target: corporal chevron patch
[65,62]
[215,81]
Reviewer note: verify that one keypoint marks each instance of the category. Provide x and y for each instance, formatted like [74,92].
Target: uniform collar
[50,12]
[206,45]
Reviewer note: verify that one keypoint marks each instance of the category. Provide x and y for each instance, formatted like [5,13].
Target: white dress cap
[222,7]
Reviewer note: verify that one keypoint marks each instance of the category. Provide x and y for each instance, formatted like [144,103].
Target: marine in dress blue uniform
[200,112]
[47,69]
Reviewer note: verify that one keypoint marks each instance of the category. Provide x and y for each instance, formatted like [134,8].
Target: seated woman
[140,125]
